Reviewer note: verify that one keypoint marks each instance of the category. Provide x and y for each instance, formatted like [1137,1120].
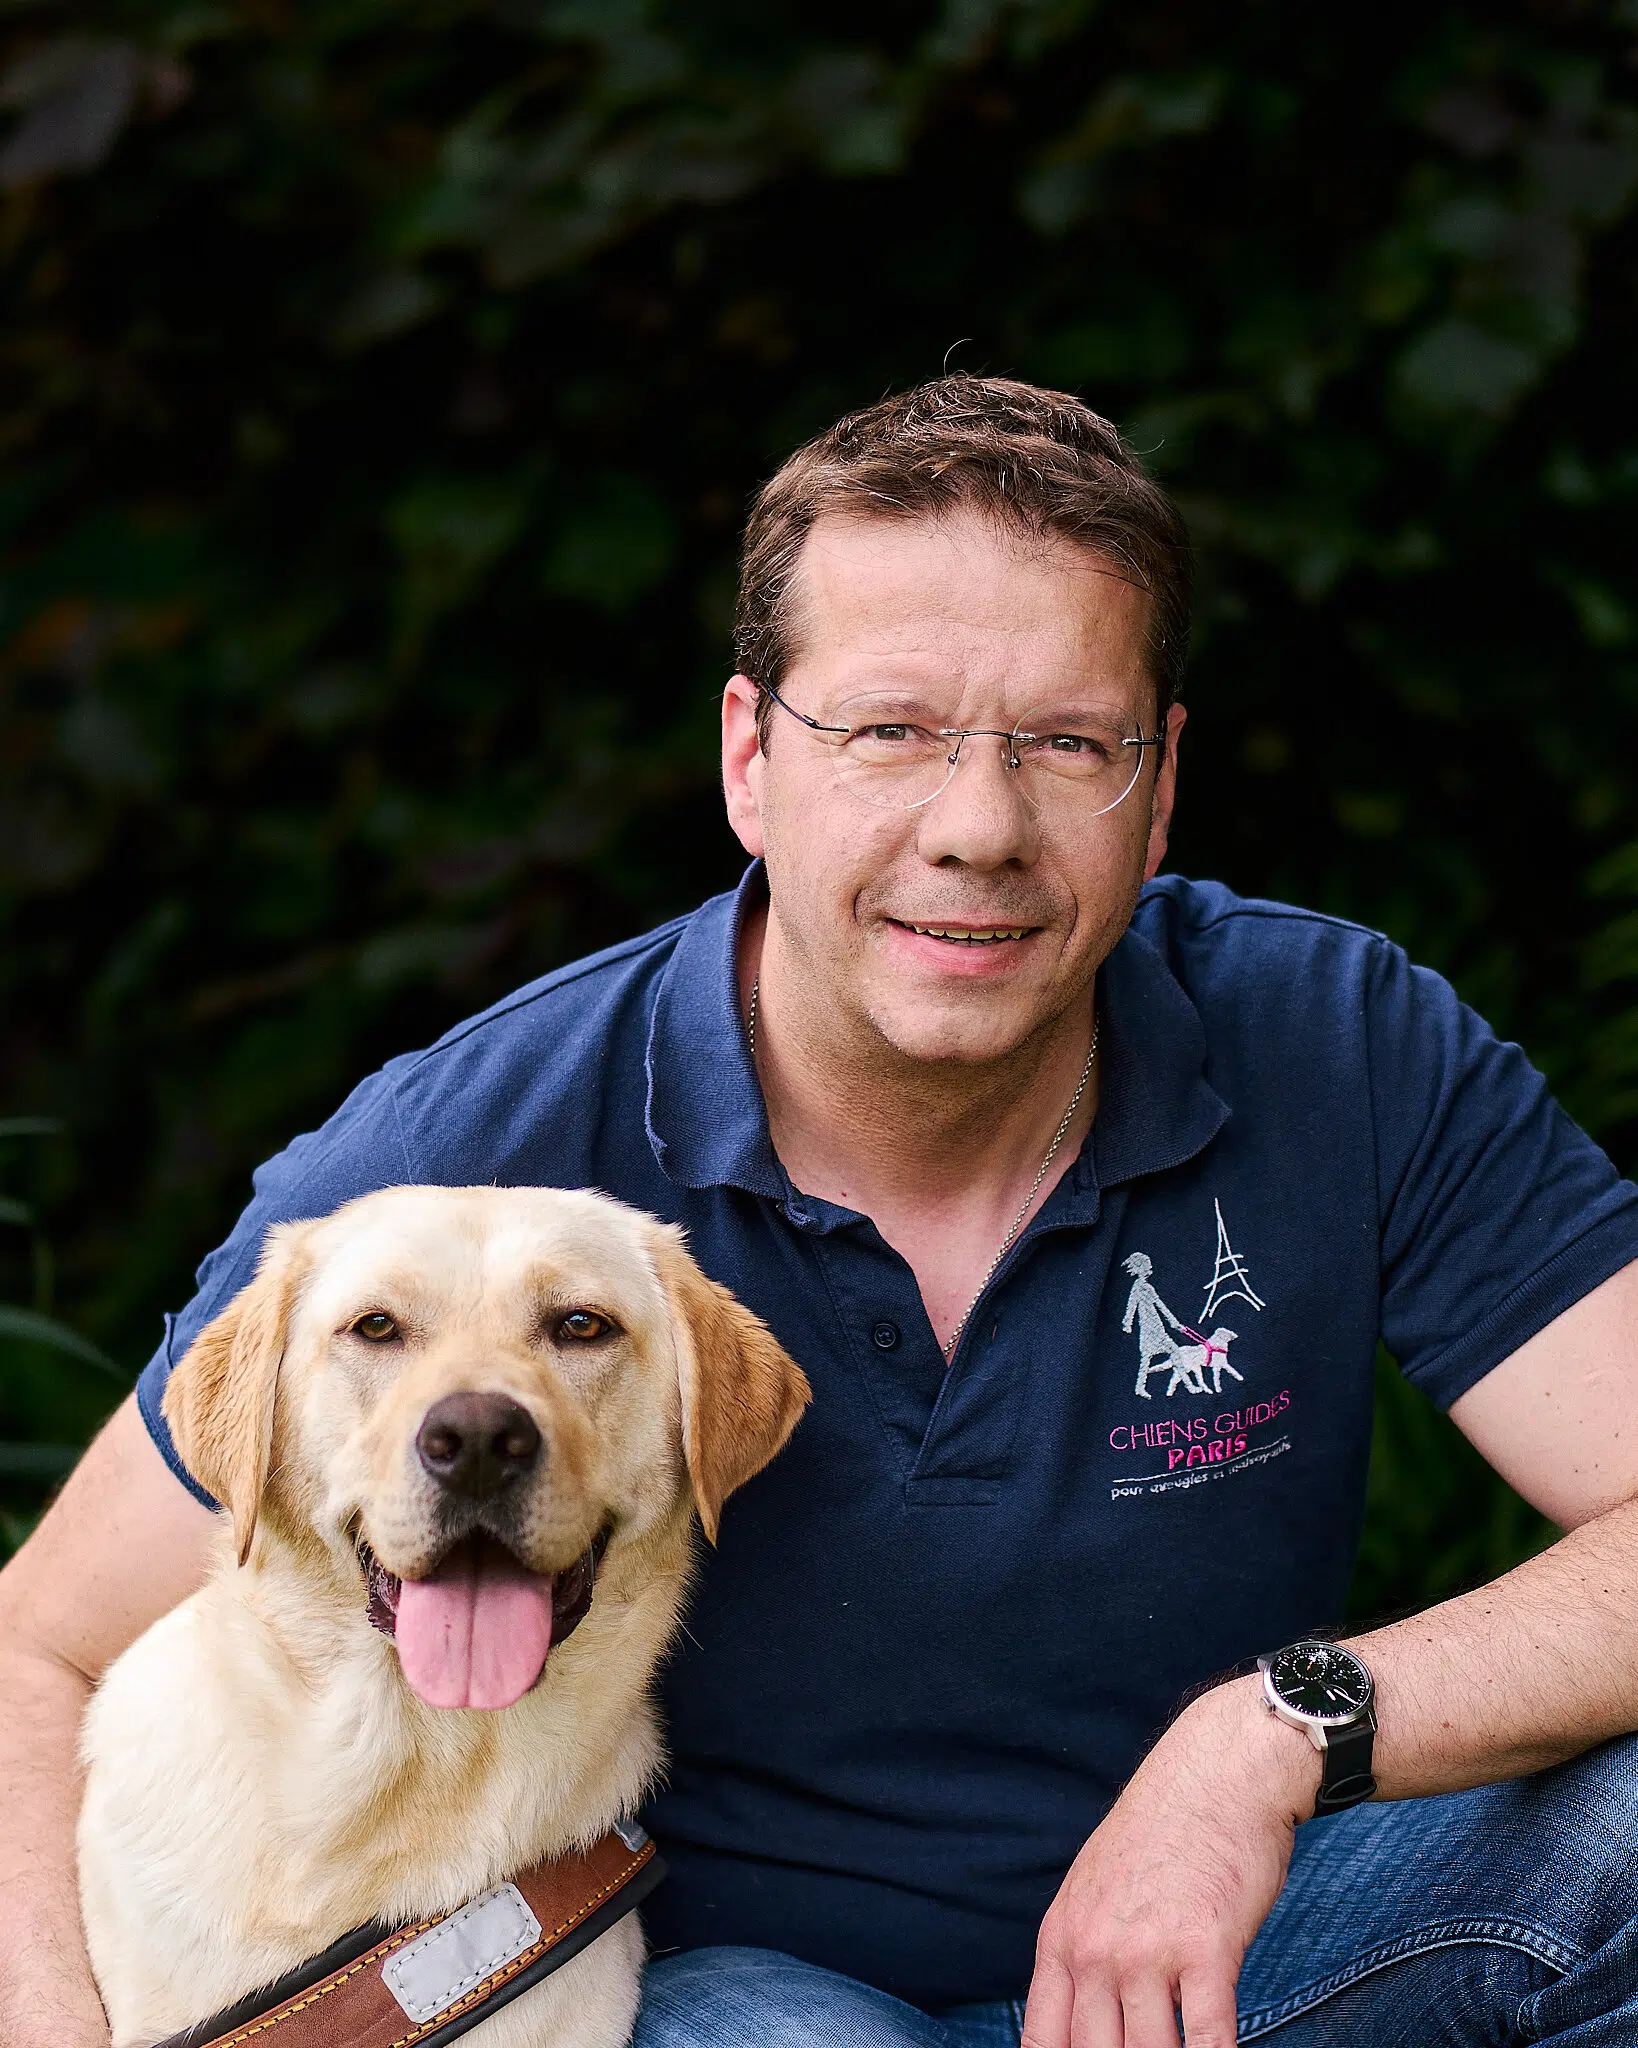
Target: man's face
[981,627]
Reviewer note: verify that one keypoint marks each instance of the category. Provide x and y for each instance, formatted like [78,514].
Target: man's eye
[377,1327]
[890,733]
[583,1326]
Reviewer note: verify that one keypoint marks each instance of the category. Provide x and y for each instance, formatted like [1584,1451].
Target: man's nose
[476,1444]
[980,817]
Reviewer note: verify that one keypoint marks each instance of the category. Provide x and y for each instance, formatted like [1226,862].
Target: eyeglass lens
[1086,756]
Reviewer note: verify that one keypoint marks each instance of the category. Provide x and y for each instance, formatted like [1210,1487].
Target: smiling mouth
[969,935]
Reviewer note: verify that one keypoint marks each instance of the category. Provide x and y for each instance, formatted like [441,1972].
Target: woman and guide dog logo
[1195,1361]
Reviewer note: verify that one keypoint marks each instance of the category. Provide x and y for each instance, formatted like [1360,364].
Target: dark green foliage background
[381,386]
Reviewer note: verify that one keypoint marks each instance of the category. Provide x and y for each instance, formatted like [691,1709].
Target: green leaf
[30,1327]
[616,539]
[38,1461]
[450,532]
[1459,367]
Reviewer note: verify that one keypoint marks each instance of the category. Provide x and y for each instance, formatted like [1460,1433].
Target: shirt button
[884,1335]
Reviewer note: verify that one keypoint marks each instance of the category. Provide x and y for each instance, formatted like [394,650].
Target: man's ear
[219,1401]
[741,1394]
[742,763]
[1164,794]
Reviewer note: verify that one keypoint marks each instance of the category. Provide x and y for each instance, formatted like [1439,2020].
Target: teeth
[973,938]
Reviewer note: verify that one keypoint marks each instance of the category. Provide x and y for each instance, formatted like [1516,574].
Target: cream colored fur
[260,1778]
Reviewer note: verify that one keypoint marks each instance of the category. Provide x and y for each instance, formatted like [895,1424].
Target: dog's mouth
[477,1630]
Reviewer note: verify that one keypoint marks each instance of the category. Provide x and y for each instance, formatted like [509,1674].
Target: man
[947,1075]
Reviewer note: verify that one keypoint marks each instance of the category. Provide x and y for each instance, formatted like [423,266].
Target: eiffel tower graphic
[1230,1281]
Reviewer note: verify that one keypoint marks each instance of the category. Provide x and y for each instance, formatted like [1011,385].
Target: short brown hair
[1040,460]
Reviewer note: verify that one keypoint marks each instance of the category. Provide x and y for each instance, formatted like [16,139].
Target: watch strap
[1346,1779]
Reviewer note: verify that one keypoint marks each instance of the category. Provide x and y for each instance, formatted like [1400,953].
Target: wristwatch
[1327,1692]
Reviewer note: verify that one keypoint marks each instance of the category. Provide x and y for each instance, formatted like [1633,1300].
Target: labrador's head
[469,1394]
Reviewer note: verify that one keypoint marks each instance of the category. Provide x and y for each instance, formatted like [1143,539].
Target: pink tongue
[477,1632]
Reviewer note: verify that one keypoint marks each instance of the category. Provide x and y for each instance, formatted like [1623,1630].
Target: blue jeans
[1497,1917]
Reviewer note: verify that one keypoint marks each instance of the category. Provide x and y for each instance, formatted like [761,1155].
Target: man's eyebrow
[884,695]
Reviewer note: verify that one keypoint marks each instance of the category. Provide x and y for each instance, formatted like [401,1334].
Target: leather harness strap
[422,1985]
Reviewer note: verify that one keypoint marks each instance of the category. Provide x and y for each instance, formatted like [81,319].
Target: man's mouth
[967,934]
[477,1630]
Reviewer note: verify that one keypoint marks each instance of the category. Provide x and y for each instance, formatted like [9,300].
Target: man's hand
[1160,1906]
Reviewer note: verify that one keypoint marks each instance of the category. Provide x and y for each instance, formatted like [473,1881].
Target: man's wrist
[1270,1758]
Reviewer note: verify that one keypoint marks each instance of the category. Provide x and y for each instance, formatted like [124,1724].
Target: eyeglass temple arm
[801,717]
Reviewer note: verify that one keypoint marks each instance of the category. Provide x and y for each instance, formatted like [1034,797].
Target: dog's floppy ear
[741,1394]
[219,1400]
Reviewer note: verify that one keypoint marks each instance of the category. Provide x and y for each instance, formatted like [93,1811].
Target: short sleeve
[1497,1212]
[360,1149]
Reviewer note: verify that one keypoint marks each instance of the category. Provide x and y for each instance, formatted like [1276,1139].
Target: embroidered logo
[1166,1343]
[1199,1447]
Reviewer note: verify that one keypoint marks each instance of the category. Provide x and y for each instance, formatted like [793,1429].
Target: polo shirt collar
[706,1120]
[1156,1108]
[708,1127]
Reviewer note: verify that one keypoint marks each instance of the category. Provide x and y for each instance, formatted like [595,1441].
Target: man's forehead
[960,585]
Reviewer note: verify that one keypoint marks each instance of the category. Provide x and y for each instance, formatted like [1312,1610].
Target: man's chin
[935,1029]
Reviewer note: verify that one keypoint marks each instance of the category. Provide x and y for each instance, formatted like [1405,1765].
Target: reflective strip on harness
[430,1973]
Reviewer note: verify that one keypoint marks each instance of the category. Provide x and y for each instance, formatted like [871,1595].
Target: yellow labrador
[430,1415]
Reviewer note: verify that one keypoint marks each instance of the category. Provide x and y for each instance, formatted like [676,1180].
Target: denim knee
[758,1998]
[1511,1907]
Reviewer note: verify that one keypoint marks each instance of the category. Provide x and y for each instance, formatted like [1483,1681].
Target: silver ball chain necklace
[1035,1185]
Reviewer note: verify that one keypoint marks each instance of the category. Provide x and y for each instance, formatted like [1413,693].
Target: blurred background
[382,383]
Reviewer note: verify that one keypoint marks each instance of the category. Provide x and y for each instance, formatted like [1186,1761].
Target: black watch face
[1320,1679]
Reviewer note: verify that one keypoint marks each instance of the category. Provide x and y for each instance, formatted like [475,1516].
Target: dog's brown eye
[583,1326]
[376,1328]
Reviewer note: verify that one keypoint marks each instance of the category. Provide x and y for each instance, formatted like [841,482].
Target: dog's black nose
[474,1444]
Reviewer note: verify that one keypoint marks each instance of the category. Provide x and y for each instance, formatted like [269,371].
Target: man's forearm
[1522,1673]
[1526,1671]
[47,1997]
[120,1546]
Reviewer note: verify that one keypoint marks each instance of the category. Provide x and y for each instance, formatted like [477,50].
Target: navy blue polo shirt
[941,1628]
